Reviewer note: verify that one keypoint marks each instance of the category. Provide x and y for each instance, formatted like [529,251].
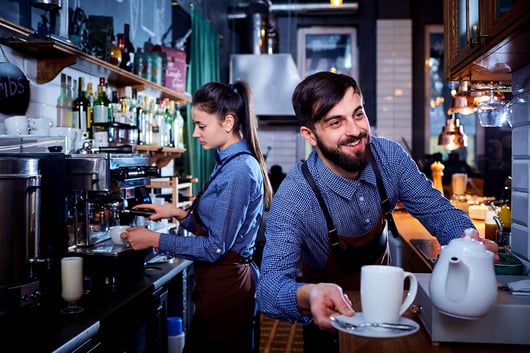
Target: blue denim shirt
[230,209]
[296,228]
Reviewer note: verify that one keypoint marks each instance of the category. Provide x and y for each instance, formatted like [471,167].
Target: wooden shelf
[53,56]
[160,156]
[173,184]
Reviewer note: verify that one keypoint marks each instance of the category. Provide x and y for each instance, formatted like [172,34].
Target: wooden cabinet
[485,39]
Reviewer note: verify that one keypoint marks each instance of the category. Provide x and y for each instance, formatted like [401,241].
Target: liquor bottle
[168,124]
[64,104]
[80,107]
[178,128]
[101,104]
[127,50]
[90,109]
[142,115]
[115,53]
[158,124]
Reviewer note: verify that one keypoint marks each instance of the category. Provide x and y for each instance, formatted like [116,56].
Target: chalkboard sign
[14,90]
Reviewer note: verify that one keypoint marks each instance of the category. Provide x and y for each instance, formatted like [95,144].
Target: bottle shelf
[53,56]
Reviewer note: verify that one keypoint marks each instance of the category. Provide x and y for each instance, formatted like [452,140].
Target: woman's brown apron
[224,304]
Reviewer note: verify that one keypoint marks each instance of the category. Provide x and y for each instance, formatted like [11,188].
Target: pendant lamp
[452,136]
[463,102]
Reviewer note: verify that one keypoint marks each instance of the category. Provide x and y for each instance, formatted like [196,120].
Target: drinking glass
[72,283]
[492,113]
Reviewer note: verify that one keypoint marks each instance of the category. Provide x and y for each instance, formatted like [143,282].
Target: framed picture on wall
[328,49]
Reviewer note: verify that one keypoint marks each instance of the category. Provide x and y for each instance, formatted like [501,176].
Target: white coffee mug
[382,290]
[39,126]
[17,125]
[115,232]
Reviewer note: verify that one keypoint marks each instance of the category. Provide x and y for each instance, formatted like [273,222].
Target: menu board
[14,90]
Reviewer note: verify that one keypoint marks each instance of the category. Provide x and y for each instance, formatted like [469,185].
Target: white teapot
[463,282]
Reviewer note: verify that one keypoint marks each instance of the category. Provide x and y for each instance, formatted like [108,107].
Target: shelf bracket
[49,68]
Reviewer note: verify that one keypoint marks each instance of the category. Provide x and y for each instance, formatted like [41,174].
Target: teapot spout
[456,285]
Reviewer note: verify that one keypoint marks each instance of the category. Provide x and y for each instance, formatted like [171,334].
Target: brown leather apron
[224,304]
[315,339]
[350,280]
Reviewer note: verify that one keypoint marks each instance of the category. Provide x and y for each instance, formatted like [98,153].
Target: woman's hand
[140,238]
[162,211]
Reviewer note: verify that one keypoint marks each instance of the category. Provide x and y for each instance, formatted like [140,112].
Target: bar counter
[416,342]
[110,315]
[420,251]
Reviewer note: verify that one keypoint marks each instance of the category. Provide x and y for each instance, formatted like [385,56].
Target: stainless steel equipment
[104,188]
[507,323]
[20,183]
[275,82]
[103,185]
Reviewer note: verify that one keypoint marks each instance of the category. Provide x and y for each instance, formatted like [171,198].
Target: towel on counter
[521,287]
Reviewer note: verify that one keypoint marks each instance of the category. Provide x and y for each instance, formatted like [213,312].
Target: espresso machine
[104,188]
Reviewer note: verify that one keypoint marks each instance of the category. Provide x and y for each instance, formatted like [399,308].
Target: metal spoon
[351,326]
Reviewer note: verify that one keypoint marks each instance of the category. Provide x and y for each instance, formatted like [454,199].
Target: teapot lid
[468,245]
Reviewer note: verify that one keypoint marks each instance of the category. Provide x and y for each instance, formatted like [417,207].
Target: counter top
[47,330]
[417,342]
[424,246]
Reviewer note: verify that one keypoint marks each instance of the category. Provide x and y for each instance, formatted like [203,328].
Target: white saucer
[374,332]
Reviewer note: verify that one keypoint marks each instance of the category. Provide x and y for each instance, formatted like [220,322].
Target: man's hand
[488,244]
[323,300]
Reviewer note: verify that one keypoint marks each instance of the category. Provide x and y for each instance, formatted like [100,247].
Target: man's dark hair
[314,97]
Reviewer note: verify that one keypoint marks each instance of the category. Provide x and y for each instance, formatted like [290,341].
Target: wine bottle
[80,107]
[101,104]
[178,128]
[90,109]
[168,124]
[127,49]
[64,104]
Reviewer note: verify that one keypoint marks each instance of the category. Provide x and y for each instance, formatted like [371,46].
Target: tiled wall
[286,145]
[394,80]
[521,164]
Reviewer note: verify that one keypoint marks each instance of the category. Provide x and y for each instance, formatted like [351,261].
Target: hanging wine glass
[492,112]
[507,119]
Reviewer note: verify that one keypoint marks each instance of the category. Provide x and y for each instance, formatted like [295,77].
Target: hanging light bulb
[335,3]
[452,136]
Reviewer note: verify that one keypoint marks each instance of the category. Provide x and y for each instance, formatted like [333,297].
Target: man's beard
[352,164]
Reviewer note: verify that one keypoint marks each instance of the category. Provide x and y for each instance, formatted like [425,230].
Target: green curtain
[203,68]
